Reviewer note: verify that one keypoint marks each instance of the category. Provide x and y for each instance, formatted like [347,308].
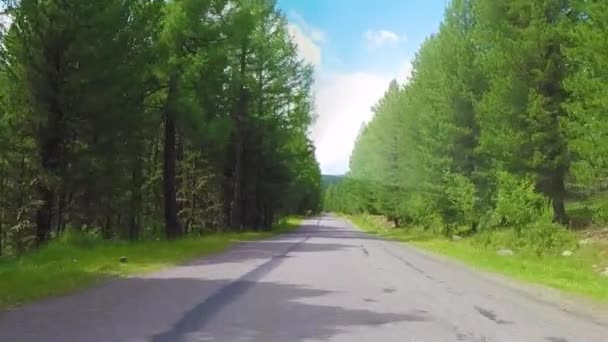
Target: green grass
[573,274]
[69,265]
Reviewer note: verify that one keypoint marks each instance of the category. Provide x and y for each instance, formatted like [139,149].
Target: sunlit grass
[63,267]
[574,274]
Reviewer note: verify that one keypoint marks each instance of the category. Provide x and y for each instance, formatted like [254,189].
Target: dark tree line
[503,119]
[139,118]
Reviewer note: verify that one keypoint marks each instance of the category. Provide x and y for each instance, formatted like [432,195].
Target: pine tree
[521,112]
[586,105]
[116,116]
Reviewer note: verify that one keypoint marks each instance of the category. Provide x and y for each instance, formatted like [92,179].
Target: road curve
[326,282]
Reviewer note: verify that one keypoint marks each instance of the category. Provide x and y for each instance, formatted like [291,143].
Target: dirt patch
[599,236]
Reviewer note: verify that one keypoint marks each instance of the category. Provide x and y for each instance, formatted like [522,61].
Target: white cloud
[308,47]
[405,72]
[317,35]
[343,103]
[343,100]
[375,39]
[307,38]
[5,21]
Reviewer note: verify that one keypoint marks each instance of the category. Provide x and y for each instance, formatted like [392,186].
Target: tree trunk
[49,146]
[3,206]
[193,204]
[50,139]
[172,226]
[61,211]
[268,217]
[135,202]
[44,215]
[106,231]
[180,176]
[1,233]
[236,206]
[553,186]
[559,207]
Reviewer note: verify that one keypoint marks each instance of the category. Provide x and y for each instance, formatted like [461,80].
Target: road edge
[574,304]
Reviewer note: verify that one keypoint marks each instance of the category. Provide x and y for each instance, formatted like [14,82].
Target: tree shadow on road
[188,309]
[308,239]
[273,312]
[186,304]
[267,249]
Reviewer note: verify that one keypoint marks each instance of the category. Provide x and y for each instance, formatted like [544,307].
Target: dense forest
[327,180]
[136,119]
[503,121]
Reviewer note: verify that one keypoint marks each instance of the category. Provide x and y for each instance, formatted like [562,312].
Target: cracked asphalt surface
[325,282]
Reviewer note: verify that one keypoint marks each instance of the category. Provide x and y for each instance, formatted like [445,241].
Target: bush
[462,195]
[539,238]
[600,216]
[77,238]
[496,239]
[517,204]
[437,225]
[526,219]
[421,208]
[546,237]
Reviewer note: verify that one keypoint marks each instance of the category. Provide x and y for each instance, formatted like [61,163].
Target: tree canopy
[140,118]
[501,121]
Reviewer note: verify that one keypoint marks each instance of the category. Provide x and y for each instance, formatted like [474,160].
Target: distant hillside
[331,179]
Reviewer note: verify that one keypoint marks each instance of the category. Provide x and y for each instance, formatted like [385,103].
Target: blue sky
[357,47]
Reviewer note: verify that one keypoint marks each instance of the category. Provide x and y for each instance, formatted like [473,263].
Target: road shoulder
[578,305]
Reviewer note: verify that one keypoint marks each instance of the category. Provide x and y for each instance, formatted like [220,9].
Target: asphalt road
[325,282]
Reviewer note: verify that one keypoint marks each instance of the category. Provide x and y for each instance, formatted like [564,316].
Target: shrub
[462,195]
[526,218]
[77,238]
[539,238]
[421,208]
[437,225]
[517,204]
[496,239]
[600,216]
[546,237]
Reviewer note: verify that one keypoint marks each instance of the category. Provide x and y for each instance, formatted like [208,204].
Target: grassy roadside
[574,274]
[69,265]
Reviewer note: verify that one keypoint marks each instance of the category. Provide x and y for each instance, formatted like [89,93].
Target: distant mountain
[331,179]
